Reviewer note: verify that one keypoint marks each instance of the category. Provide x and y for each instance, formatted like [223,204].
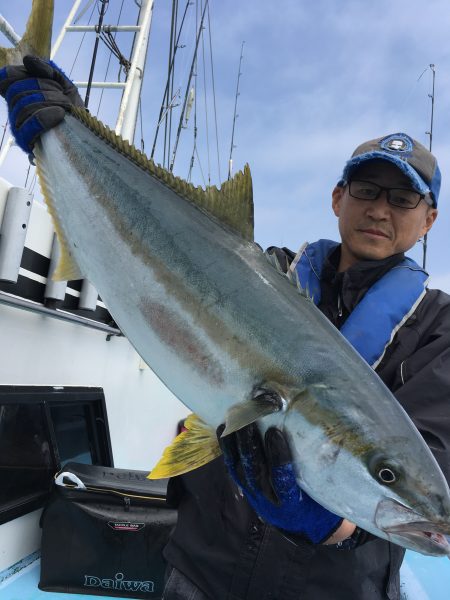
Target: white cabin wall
[19,538]
[142,413]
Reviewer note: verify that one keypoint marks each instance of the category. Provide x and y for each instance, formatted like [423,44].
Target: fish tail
[37,37]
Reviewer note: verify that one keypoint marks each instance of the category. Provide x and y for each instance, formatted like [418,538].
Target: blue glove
[38,96]
[267,480]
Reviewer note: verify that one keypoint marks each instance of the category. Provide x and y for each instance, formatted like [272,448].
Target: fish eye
[383,469]
[386,475]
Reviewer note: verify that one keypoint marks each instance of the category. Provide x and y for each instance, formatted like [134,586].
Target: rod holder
[88,296]
[54,290]
[13,232]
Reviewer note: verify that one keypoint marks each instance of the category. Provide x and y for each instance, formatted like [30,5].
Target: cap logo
[398,144]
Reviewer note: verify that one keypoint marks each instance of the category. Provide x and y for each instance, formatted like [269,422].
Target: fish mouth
[412,530]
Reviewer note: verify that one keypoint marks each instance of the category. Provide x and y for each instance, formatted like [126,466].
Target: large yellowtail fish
[231,335]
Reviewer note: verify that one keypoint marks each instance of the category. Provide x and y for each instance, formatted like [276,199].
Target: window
[41,429]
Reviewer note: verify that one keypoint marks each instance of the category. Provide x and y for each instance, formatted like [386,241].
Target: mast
[430,134]
[128,111]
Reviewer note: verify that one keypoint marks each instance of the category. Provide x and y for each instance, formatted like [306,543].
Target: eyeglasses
[366,190]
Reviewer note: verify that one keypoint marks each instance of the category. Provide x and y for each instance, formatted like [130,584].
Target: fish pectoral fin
[243,414]
[191,449]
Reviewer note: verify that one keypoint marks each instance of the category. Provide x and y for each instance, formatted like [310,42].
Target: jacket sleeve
[422,383]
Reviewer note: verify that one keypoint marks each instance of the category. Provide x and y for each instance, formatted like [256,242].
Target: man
[385,201]
[221,549]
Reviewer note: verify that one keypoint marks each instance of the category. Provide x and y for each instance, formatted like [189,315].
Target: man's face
[374,229]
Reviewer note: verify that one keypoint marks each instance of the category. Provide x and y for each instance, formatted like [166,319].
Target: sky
[317,79]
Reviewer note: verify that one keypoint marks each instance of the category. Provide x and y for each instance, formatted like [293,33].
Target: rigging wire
[206,107]
[5,127]
[27,175]
[83,11]
[214,97]
[141,125]
[109,63]
[170,71]
[81,43]
[186,95]
[188,3]
[430,134]
[200,166]
[104,6]
[235,115]
[194,148]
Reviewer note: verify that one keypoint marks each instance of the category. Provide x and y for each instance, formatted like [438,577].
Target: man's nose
[380,207]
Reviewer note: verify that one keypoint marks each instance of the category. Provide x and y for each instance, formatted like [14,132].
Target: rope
[110,42]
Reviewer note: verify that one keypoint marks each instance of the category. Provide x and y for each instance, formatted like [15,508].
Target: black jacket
[220,543]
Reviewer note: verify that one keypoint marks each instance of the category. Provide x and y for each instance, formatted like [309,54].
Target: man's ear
[430,218]
[336,201]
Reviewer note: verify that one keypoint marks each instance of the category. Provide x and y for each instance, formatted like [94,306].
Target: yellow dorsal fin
[191,449]
[66,269]
[232,204]
[37,37]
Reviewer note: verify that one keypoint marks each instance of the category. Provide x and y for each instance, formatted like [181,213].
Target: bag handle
[76,481]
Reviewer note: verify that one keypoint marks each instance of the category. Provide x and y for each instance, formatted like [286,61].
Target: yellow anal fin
[67,269]
[191,449]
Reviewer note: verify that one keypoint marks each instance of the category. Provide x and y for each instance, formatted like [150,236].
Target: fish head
[387,482]
[408,495]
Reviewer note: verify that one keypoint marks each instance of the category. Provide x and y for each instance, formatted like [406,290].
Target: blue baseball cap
[411,157]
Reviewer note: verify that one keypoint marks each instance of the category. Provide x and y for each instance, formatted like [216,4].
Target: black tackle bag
[103,532]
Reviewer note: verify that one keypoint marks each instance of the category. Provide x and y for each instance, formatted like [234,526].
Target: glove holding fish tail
[38,95]
[268,482]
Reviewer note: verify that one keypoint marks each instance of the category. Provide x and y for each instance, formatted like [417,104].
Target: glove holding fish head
[38,95]
[265,474]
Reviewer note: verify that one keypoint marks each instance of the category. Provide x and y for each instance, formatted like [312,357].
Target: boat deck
[423,578]
[20,582]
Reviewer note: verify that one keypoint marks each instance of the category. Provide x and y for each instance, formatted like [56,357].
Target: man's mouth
[375,232]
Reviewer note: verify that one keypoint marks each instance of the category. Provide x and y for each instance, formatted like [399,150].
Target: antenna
[430,134]
[235,115]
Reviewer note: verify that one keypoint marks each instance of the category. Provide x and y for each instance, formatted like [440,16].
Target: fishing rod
[235,115]
[430,134]
[186,95]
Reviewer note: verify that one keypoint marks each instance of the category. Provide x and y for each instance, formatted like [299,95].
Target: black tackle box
[103,532]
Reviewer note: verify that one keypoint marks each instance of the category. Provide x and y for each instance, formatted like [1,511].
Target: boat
[72,388]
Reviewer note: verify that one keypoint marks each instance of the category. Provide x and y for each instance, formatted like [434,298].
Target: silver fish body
[218,323]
